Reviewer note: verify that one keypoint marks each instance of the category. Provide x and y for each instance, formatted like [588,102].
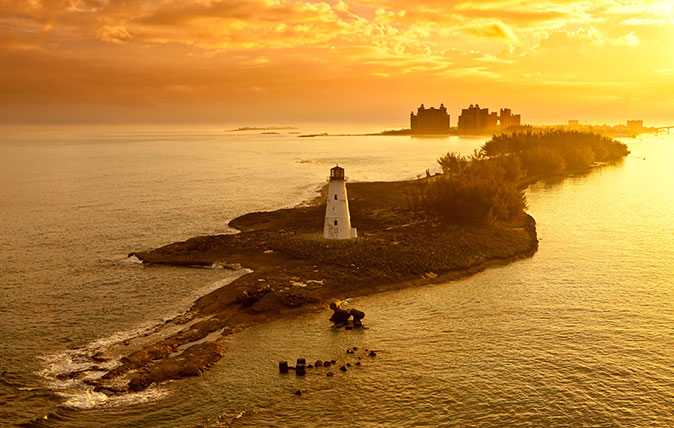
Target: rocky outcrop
[191,362]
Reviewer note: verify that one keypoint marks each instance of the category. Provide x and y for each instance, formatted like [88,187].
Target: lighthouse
[337,218]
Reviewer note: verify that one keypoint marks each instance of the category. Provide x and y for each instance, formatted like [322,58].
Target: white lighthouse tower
[337,218]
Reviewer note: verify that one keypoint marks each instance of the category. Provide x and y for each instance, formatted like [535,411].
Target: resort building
[635,124]
[430,120]
[506,119]
[476,120]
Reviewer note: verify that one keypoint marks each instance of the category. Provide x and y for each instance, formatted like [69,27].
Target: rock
[357,363]
[355,348]
[269,303]
[326,364]
[72,375]
[298,392]
[108,390]
[333,361]
[318,363]
[329,374]
[372,354]
[348,364]
[99,358]
[349,351]
[191,362]
[357,316]
[343,368]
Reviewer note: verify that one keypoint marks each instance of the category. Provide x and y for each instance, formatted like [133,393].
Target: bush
[482,188]
[578,157]
[541,151]
[452,163]
[474,200]
[539,162]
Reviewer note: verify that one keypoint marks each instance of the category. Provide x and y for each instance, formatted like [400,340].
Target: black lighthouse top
[337,173]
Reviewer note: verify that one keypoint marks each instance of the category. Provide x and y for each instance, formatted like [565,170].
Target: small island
[436,228]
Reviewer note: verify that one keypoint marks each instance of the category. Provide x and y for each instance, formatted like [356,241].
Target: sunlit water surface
[581,334]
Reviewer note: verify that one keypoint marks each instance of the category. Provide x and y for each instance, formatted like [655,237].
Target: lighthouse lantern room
[337,218]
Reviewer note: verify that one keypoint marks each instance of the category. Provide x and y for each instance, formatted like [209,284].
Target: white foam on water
[222,265]
[79,395]
[84,399]
[87,398]
[132,260]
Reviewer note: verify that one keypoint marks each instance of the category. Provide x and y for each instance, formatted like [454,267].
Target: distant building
[635,124]
[337,224]
[476,120]
[507,119]
[430,120]
[574,124]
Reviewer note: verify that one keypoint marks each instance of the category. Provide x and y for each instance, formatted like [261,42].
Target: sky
[287,62]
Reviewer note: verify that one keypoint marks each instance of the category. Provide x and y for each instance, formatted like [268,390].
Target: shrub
[452,163]
[482,188]
[580,157]
[472,200]
[578,148]
[539,162]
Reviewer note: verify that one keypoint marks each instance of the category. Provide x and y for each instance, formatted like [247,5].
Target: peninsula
[410,233]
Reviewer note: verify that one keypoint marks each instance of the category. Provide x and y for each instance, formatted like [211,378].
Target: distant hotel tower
[506,119]
[430,120]
[635,124]
[477,120]
[337,218]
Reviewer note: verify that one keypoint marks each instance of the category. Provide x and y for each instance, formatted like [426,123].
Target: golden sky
[293,61]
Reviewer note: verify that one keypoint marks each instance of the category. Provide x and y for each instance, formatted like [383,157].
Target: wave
[67,371]
[88,398]
[230,266]
[132,260]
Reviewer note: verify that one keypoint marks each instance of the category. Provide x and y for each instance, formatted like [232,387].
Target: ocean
[581,334]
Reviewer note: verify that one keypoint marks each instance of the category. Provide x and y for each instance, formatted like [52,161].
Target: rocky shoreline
[294,271]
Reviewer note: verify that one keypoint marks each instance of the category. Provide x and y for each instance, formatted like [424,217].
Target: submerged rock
[191,362]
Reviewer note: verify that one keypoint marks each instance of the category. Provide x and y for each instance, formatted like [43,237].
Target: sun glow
[348,60]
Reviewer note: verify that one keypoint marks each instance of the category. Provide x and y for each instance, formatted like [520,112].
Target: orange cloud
[268,57]
[117,34]
[496,30]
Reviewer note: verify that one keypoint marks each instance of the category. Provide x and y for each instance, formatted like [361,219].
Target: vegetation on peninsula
[486,187]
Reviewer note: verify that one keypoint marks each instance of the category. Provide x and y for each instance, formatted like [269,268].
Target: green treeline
[554,151]
[486,187]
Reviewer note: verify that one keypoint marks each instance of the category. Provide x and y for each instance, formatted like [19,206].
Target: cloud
[115,34]
[88,5]
[200,51]
[497,30]
[629,39]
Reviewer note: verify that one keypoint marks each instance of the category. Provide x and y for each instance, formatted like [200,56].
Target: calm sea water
[582,334]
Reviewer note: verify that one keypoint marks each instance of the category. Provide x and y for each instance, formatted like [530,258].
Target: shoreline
[292,270]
